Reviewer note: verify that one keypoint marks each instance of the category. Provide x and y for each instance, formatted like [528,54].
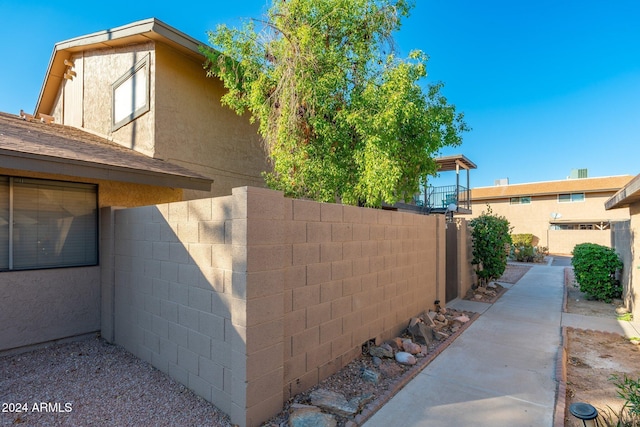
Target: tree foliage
[342,117]
[491,245]
[595,268]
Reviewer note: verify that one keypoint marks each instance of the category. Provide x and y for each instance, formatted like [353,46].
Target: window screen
[55,224]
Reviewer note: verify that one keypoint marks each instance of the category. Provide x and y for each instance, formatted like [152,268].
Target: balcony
[454,198]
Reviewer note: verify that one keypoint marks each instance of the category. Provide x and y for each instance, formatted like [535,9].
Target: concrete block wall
[251,298]
[173,294]
[356,274]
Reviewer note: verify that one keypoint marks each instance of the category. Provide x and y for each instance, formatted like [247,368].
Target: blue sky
[547,86]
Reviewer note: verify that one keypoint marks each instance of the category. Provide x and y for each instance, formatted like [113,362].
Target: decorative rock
[376,361]
[432,314]
[414,321]
[421,333]
[370,376]
[442,310]
[477,296]
[381,352]
[405,358]
[441,336]
[333,402]
[492,285]
[310,416]
[411,347]
[462,319]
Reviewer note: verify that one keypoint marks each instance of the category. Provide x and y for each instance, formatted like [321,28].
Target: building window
[130,94]
[570,197]
[47,224]
[523,200]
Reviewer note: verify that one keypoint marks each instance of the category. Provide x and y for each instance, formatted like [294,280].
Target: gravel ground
[93,383]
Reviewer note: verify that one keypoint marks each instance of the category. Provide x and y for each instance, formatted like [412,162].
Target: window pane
[564,197]
[4,223]
[577,197]
[515,200]
[55,224]
[525,200]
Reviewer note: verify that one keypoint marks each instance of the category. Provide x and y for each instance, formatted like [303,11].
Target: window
[570,197]
[524,200]
[130,97]
[47,224]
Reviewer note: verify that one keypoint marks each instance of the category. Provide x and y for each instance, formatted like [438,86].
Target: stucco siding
[221,144]
[536,218]
[44,305]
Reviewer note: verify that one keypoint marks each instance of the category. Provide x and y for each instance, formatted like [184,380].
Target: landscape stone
[462,319]
[421,333]
[405,358]
[381,352]
[411,347]
[371,376]
[334,402]
[310,416]
[376,361]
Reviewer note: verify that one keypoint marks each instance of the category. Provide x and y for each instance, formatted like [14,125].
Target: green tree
[342,117]
[491,244]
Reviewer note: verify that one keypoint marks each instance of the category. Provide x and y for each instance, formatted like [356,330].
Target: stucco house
[560,214]
[126,117]
[626,244]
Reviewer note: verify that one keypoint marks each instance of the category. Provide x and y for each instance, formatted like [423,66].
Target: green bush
[524,239]
[595,268]
[491,245]
[523,250]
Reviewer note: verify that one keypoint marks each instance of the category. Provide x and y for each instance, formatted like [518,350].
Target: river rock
[405,358]
[310,416]
[381,352]
[334,402]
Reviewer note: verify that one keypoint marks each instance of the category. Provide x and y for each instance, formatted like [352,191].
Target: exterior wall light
[586,413]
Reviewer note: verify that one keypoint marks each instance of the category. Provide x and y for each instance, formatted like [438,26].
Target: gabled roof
[133,33]
[58,149]
[627,195]
[582,185]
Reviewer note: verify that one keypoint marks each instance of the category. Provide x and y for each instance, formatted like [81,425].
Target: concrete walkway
[501,370]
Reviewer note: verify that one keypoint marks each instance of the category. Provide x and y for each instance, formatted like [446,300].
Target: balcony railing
[438,199]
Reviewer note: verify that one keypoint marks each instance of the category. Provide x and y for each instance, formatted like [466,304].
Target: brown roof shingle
[585,185]
[54,148]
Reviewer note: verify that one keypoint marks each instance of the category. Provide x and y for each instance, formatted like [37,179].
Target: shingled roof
[53,148]
[583,185]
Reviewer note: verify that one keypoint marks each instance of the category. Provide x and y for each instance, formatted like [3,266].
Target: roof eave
[627,195]
[139,31]
[53,165]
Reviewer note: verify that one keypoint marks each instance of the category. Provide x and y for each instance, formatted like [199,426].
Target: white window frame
[129,97]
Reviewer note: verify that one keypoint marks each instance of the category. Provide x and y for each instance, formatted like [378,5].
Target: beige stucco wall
[38,306]
[194,130]
[632,296]
[51,304]
[96,71]
[186,124]
[250,298]
[534,218]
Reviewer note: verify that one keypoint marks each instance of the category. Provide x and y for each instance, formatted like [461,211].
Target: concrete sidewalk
[499,372]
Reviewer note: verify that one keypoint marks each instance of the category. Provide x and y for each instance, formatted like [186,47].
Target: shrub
[523,249]
[525,239]
[595,269]
[491,243]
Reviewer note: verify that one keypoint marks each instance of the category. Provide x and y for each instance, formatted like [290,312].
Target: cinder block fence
[251,298]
